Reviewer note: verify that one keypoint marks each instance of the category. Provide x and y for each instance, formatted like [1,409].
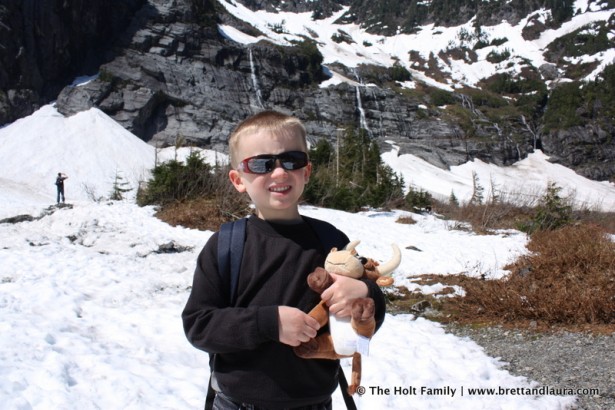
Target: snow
[524,182]
[89,147]
[91,308]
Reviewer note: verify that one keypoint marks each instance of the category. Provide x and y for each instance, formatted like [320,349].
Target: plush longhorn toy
[347,337]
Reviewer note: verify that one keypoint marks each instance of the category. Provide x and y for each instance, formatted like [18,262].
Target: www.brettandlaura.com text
[477,391]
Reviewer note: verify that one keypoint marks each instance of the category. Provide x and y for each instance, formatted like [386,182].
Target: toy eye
[362,259]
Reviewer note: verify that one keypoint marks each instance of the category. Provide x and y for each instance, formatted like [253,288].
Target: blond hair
[268,121]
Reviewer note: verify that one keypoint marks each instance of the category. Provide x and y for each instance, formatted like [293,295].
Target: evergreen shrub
[357,178]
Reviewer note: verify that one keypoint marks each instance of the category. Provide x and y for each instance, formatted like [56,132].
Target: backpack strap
[211,393]
[230,251]
[350,404]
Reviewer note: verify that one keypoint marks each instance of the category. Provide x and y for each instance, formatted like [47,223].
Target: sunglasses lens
[293,160]
[260,165]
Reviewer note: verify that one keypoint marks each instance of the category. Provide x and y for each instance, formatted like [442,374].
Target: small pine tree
[176,181]
[494,198]
[418,199]
[361,179]
[553,212]
[452,199]
[120,187]
[477,190]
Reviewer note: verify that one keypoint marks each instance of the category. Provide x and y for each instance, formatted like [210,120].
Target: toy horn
[387,268]
[351,245]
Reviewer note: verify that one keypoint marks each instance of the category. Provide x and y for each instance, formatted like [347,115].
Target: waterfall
[466,102]
[508,138]
[518,153]
[259,98]
[362,120]
[531,131]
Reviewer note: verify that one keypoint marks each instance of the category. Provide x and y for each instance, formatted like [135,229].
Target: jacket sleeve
[213,326]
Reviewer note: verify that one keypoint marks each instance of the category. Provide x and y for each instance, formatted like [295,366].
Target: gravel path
[562,360]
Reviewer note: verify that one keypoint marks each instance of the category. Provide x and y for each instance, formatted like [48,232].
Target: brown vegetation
[568,278]
[203,214]
[206,213]
[504,212]
[485,218]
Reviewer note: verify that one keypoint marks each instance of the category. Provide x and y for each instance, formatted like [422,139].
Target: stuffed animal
[347,337]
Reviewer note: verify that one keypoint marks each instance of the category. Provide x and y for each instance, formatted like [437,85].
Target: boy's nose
[278,169]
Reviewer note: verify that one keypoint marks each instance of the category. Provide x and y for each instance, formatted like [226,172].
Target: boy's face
[275,194]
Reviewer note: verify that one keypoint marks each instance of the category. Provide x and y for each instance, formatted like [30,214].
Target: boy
[255,366]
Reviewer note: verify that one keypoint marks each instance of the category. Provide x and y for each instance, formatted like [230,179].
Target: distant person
[60,185]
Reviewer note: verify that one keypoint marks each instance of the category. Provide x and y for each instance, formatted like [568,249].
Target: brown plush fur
[321,347]
[362,321]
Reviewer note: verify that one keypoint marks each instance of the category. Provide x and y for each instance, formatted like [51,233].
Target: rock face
[588,150]
[45,44]
[167,74]
[175,79]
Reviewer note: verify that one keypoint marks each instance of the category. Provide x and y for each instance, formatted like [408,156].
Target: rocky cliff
[177,79]
[45,44]
[167,74]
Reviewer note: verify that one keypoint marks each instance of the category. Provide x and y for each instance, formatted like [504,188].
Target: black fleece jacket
[252,366]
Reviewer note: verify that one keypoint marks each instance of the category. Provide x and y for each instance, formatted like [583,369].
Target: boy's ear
[308,171]
[236,180]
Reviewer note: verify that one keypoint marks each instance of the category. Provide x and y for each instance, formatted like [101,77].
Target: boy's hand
[340,295]
[295,326]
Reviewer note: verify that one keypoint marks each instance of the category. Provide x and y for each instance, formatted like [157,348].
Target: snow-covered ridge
[284,27]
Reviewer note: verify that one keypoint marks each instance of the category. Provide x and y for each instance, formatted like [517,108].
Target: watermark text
[460,391]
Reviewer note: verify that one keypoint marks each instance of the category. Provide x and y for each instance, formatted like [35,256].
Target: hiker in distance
[251,333]
[60,186]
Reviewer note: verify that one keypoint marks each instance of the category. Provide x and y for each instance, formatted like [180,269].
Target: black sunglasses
[264,164]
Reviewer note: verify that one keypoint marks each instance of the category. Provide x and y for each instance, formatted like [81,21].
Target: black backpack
[230,251]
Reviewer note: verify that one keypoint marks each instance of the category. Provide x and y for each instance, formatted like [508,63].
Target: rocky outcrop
[176,80]
[589,150]
[46,43]
[319,8]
